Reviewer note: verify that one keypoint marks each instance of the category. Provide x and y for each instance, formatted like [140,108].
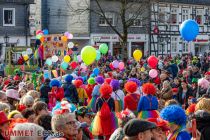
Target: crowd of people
[112,105]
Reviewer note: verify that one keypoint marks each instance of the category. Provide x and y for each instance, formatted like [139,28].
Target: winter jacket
[196,75]
[70,92]
[203,124]
[180,98]
[44,90]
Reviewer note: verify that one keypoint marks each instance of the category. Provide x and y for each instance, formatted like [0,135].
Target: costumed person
[118,95]
[148,104]
[4,126]
[95,93]
[177,119]
[89,90]
[44,90]
[138,84]
[207,76]
[70,91]
[56,94]
[160,132]
[203,86]
[131,99]
[81,92]
[123,117]
[64,106]
[105,121]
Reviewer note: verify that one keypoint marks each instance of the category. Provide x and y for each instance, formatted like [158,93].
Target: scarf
[174,135]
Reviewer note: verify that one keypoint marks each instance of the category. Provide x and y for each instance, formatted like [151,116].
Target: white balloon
[70,45]
[24,53]
[54,58]
[29,51]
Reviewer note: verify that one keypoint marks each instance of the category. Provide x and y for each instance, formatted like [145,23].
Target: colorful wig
[174,114]
[55,83]
[106,90]
[135,80]
[99,80]
[108,80]
[78,83]
[149,88]
[69,78]
[131,87]
[203,83]
[115,84]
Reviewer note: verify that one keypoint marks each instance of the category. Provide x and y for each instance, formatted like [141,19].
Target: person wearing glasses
[64,125]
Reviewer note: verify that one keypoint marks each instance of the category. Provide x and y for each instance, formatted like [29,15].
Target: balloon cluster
[89,54]
[117,65]
[153,63]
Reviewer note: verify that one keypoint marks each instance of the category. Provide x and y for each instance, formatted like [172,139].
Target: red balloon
[73,65]
[152,62]
[111,66]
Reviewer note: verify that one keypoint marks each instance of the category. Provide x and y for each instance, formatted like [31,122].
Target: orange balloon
[64,38]
[42,39]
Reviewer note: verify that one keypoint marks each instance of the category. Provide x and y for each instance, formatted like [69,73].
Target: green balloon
[91,81]
[88,55]
[103,48]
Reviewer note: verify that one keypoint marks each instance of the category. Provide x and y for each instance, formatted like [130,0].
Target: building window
[185,48]
[162,15]
[162,48]
[173,17]
[8,16]
[110,17]
[199,16]
[185,14]
[137,20]
[174,44]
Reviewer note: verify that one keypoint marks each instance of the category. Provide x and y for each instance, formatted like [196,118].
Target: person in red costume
[56,94]
[131,99]
[105,121]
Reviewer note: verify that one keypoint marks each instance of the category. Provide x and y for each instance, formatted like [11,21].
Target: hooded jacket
[203,124]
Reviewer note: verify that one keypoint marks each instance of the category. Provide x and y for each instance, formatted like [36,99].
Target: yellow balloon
[137,54]
[142,69]
[67,59]
[64,38]
[25,57]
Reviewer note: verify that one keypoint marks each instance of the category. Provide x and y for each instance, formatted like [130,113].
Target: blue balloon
[64,65]
[92,75]
[189,29]
[48,62]
[96,71]
[45,32]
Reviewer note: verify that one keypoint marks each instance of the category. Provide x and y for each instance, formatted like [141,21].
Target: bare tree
[139,9]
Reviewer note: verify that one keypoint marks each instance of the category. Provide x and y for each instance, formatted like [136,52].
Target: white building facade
[166,19]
